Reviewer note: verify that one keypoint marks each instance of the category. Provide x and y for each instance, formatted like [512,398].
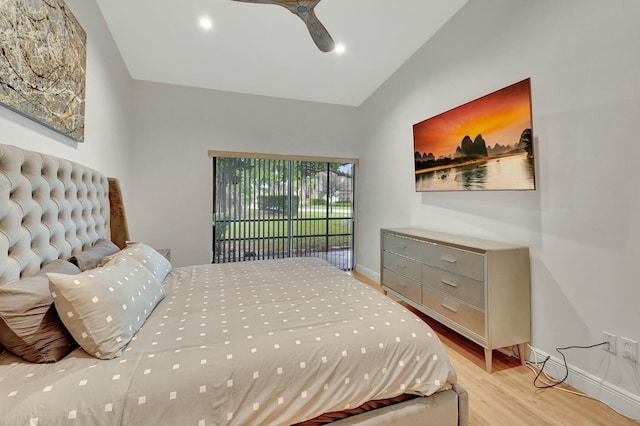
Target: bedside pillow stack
[29,324]
[103,308]
[100,307]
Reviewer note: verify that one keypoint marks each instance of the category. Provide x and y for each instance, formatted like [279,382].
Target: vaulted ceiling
[264,49]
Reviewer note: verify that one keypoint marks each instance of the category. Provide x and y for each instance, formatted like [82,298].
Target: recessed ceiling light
[205,23]
[340,48]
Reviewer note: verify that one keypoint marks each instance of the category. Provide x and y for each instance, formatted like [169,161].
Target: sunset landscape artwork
[486,144]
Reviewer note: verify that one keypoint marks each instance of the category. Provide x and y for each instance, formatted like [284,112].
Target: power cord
[550,382]
[564,359]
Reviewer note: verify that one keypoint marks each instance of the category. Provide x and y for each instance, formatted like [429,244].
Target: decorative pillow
[89,258]
[105,307]
[29,324]
[156,263]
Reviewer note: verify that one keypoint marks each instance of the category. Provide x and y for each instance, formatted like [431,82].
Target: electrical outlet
[610,339]
[629,349]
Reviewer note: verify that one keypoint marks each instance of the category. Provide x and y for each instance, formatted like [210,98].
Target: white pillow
[156,263]
[104,308]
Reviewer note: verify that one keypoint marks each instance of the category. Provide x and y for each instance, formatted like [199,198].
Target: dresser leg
[487,359]
[522,353]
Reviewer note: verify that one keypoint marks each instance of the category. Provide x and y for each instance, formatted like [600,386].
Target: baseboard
[622,401]
[369,273]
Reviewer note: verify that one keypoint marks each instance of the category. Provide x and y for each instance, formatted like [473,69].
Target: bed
[139,342]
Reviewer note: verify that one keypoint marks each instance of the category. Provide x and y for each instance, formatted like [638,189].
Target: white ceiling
[264,49]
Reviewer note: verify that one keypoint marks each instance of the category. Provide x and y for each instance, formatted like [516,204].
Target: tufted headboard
[50,208]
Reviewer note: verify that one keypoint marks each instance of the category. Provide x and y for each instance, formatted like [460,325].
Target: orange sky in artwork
[499,117]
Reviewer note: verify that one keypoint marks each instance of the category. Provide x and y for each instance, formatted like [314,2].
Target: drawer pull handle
[451,308]
[449,259]
[402,247]
[401,266]
[449,283]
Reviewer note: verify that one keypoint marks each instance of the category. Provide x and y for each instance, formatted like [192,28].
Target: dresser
[478,288]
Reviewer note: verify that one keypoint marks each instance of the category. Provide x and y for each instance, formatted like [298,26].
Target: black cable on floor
[559,350]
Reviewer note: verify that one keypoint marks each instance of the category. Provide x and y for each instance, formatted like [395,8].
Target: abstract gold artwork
[42,64]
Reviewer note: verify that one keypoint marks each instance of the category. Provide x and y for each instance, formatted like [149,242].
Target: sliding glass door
[274,208]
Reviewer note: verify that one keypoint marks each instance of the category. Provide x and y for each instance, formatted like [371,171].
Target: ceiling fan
[304,10]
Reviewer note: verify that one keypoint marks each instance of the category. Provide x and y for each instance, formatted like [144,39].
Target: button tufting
[71,208]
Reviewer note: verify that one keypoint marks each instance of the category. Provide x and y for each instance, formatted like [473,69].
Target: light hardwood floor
[508,397]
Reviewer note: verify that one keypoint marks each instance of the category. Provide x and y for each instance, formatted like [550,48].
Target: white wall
[107,142]
[581,223]
[174,129]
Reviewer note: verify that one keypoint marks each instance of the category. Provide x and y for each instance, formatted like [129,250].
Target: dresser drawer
[464,315]
[473,286]
[403,266]
[459,286]
[461,262]
[403,285]
[403,246]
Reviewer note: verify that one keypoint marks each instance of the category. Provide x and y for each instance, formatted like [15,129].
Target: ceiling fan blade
[319,33]
[305,11]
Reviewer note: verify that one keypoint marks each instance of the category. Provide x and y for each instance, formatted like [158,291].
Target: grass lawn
[309,227]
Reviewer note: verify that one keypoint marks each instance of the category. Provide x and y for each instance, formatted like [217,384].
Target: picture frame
[43,64]
[485,144]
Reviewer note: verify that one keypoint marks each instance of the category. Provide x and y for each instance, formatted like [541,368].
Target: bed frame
[51,208]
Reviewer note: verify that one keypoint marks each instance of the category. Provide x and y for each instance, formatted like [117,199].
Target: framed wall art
[42,64]
[485,144]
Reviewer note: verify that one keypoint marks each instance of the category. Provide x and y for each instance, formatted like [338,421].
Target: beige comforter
[253,343]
